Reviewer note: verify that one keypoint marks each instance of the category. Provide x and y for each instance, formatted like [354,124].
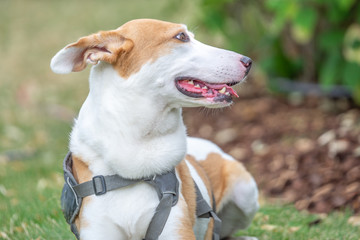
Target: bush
[304,40]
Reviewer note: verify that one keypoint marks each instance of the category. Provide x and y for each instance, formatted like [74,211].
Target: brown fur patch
[209,232]
[185,230]
[82,174]
[129,47]
[152,39]
[223,174]
[188,205]
[187,190]
[102,46]
[81,170]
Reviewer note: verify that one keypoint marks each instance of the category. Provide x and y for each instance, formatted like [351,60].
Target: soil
[304,150]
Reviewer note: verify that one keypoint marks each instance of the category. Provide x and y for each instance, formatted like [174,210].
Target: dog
[131,125]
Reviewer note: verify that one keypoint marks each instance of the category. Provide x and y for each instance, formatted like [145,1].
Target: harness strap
[203,210]
[160,217]
[217,226]
[102,184]
[166,186]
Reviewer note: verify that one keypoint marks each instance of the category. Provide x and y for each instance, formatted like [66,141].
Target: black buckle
[103,185]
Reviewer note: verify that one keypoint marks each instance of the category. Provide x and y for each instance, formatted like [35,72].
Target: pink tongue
[220,86]
[232,91]
[208,92]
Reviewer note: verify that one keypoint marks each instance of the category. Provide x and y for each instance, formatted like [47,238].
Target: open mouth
[199,89]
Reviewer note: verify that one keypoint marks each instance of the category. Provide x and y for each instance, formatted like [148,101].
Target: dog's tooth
[191,82]
[223,90]
[227,94]
[197,86]
[205,87]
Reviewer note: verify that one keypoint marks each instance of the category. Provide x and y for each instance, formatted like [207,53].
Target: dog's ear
[103,46]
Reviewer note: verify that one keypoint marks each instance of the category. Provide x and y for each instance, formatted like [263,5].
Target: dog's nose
[246,62]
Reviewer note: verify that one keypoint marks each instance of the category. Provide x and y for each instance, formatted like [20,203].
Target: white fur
[201,148]
[125,214]
[238,207]
[63,61]
[133,127]
[142,130]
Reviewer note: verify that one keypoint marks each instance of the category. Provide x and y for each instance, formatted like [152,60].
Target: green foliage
[304,40]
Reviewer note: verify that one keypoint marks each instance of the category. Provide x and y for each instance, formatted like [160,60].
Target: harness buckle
[149,179]
[99,179]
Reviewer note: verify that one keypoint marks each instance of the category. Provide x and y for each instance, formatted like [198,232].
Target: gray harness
[166,186]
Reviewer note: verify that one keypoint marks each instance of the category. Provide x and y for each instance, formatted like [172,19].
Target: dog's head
[159,58]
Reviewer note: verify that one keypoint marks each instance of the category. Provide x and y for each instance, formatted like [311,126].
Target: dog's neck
[126,130]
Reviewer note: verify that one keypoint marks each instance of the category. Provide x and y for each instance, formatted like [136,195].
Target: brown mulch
[305,151]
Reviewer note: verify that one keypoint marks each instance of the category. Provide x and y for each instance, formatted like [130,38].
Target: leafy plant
[304,40]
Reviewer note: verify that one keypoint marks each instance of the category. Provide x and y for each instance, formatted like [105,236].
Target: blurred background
[296,125]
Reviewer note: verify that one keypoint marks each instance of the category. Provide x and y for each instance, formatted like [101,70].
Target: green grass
[285,222]
[30,208]
[37,108]
[29,200]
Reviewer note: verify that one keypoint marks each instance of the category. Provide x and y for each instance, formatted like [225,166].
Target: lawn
[30,208]
[37,108]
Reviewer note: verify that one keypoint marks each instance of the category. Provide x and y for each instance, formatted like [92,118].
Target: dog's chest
[129,209]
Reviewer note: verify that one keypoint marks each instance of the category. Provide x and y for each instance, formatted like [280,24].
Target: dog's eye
[182,37]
